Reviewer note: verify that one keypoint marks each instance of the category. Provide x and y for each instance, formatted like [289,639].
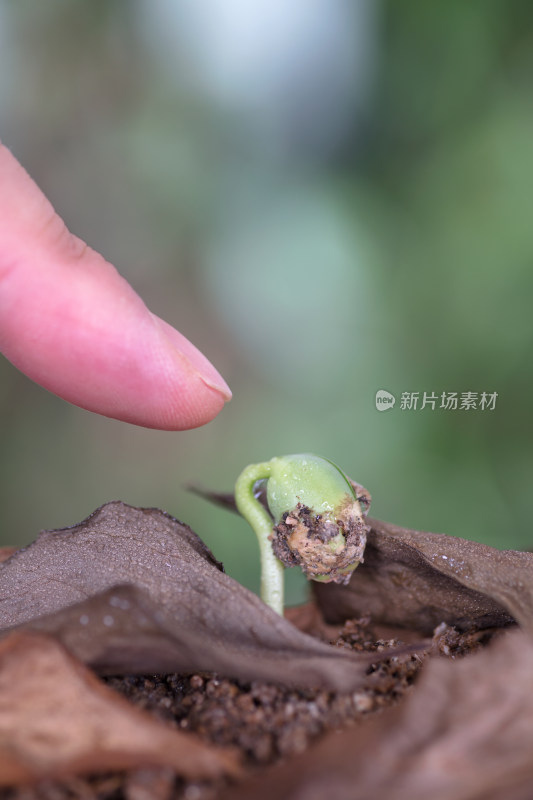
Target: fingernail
[200,364]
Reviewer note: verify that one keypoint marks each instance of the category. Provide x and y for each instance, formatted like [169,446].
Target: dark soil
[266,723]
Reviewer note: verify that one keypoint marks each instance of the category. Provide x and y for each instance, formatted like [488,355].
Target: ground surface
[266,723]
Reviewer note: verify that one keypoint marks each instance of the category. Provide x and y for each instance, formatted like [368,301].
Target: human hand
[71,323]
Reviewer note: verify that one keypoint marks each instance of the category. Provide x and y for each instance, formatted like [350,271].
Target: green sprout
[314,520]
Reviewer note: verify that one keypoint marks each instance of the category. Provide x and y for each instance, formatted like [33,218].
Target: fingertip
[71,323]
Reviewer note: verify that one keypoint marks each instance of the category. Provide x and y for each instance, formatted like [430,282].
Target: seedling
[313,518]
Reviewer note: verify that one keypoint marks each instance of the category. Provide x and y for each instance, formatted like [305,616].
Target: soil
[304,538]
[264,722]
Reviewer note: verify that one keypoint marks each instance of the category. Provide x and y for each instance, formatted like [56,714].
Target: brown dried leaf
[418,580]
[58,719]
[465,734]
[180,612]
[123,630]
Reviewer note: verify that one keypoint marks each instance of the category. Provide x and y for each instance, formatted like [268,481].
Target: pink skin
[71,323]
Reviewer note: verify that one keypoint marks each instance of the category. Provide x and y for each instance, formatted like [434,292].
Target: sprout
[315,520]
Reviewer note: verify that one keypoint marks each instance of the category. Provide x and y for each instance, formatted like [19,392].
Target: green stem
[256,515]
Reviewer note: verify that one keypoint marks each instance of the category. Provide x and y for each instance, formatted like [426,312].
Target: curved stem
[256,515]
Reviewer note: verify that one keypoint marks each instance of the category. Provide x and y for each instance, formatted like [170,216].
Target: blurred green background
[328,197]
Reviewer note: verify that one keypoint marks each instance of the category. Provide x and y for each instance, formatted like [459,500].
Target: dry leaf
[180,612]
[57,719]
[124,631]
[465,734]
[418,580]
